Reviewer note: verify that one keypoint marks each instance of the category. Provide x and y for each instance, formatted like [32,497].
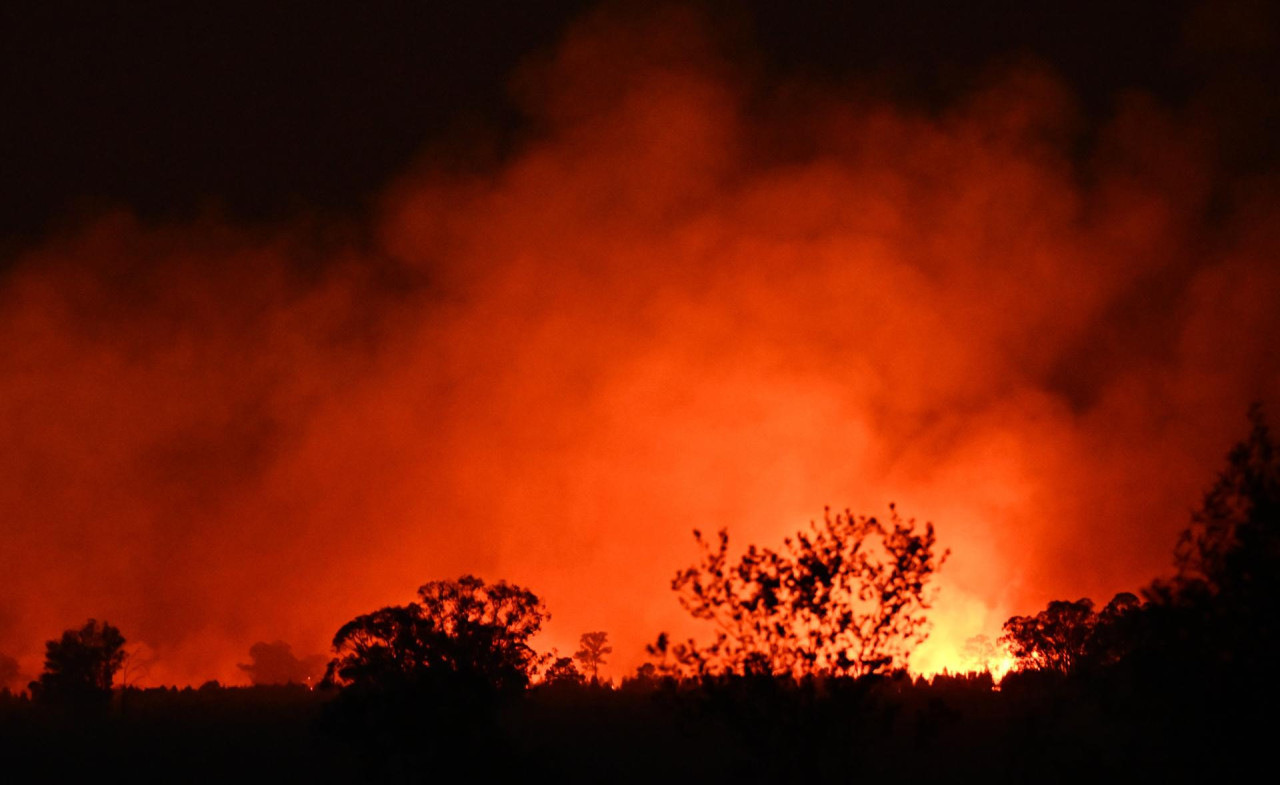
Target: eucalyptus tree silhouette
[81,665]
[1055,639]
[464,631]
[847,597]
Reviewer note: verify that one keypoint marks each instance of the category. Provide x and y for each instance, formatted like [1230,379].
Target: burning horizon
[690,299]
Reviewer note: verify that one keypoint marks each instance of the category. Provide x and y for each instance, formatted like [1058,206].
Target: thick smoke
[686,301]
[275,663]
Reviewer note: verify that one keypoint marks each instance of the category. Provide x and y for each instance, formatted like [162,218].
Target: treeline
[728,728]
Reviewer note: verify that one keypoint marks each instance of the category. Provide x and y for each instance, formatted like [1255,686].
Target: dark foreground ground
[1036,728]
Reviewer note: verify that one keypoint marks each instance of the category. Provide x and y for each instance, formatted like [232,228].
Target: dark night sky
[268,109]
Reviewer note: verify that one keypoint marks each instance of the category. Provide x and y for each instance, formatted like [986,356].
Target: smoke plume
[690,298]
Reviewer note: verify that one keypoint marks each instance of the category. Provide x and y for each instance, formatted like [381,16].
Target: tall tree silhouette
[592,646]
[82,664]
[847,597]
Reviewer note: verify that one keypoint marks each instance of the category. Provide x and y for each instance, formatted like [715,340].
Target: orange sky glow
[669,310]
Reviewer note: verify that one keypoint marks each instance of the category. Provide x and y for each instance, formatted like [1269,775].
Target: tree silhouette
[847,597]
[590,655]
[138,659]
[82,664]
[463,630]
